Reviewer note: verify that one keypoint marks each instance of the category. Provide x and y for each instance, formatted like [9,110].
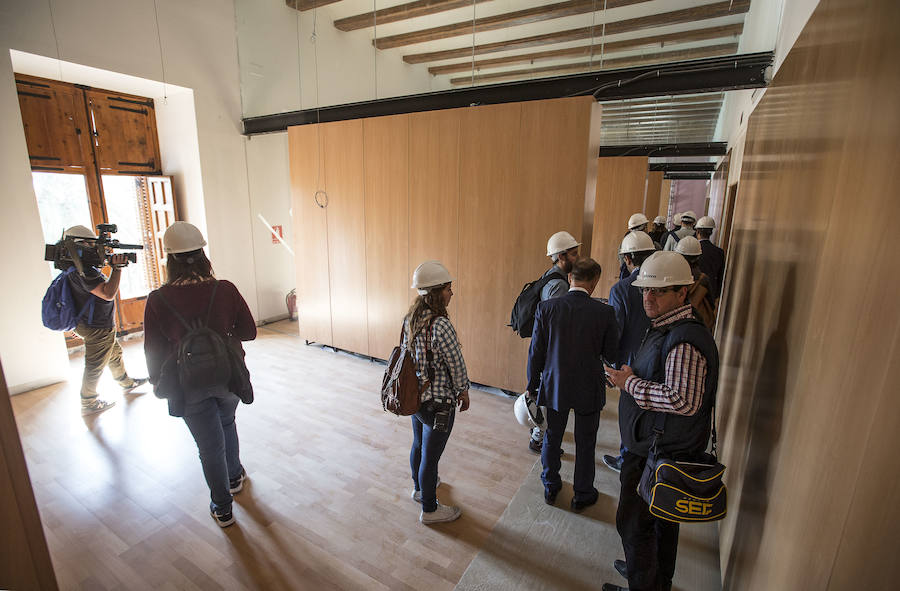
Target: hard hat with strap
[664,268]
[430,274]
[560,242]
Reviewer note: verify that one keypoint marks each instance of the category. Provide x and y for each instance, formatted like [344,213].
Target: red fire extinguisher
[291,301]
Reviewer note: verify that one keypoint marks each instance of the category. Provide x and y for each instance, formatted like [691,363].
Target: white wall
[200,53]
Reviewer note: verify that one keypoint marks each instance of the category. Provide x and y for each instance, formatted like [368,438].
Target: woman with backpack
[189,325]
[442,373]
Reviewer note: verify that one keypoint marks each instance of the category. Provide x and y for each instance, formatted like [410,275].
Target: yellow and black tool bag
[684,492]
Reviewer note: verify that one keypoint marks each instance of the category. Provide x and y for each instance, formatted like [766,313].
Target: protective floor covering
[536,546]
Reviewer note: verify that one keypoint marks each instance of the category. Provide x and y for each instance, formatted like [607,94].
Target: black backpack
[202,357]
[521,319]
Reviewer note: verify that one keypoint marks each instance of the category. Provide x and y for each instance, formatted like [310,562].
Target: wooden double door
[480,189]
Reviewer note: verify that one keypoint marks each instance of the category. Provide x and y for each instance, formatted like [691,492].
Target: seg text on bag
[521,319]
[684,491]
[202,358]
[400,391]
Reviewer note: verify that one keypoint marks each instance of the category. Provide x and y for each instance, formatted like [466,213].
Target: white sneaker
[417,494]
[94,406]
[442,514]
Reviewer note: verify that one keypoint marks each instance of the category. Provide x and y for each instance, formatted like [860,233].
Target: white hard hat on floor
[706,222]
[528,413]
[689,247]
[659,220]
[78,232]
[636,220]
[636,241]
[561,242]
[664,268]
[182,237]
[430,274]
[688,216]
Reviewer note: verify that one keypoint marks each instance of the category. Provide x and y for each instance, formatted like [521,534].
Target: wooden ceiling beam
[586,50]
[401,12]
[303,5]
[500,21]
[697,13]
[662,57]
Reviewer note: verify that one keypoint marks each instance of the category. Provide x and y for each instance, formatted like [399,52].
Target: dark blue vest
[684,436]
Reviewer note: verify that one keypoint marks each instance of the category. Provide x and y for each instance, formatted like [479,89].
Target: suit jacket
[631,319]
[572,335]
[712,263]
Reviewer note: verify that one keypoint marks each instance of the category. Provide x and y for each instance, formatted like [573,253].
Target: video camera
[88,252]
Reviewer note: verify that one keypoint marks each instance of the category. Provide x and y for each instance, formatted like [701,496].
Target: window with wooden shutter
[124,131]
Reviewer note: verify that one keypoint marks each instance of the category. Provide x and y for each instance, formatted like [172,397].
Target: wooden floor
[124,503]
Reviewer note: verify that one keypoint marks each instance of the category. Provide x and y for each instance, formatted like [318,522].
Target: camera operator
[95,294]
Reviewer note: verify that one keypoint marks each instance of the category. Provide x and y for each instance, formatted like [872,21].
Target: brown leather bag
[400,391]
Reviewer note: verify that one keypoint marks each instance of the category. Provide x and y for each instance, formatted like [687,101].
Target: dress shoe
[611,587]
[614,463]
[550,496]
[620,567]
[580,505]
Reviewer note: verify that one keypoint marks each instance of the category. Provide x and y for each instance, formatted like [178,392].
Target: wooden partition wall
[654,188]
[810,332]
[480,189]
[621,182]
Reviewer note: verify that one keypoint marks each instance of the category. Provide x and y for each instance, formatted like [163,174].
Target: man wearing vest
[674,372]
[626,300]
[96,294]
[687,229]
[562,248]
[572,336]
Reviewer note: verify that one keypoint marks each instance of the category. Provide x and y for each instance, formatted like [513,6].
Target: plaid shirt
[450,377]
[682,392]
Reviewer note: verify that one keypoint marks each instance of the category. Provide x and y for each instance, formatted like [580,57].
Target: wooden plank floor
[124,504]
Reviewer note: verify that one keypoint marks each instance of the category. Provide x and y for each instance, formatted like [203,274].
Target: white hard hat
[636,241]
[430,274]
[528,413]
[561,242]
[676,219]
[705,222]
[182,237]
[659,220]
[636,221]
[689,216]
[79,232]
[689,247]
[664,268]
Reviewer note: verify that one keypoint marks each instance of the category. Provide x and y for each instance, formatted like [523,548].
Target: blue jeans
[427,447]
[211,422]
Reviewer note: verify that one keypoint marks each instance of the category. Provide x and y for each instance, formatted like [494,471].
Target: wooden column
[652,199]
[620,193]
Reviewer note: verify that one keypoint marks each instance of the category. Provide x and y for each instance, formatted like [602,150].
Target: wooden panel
[302,5]
[620,193]
[125,132]
[310,234]
[697,13]
[163,213]
[25,560]
[549,197]
[342,155]
[434,193]
[665,192]
[56,127]
[387,233]
[488,171]
[651,201]
[809,330]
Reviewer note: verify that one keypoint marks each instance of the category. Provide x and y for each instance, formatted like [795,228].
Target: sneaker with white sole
[235,485]
[442,514]
[417,494]
[94,406]
[223,519]
[135,384]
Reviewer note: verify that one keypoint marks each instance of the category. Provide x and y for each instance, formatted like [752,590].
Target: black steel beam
[683,166]
[661,150]
[687,176]
[694,76]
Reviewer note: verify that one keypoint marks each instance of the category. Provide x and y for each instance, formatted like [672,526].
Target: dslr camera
[88,252]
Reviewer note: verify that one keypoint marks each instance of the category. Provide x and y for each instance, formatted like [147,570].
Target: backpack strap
[211,299]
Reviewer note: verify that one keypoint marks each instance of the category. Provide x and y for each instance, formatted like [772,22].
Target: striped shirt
[682,392]
[450,377]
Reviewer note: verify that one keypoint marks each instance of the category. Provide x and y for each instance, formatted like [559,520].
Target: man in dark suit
[572,336]
[712,261]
